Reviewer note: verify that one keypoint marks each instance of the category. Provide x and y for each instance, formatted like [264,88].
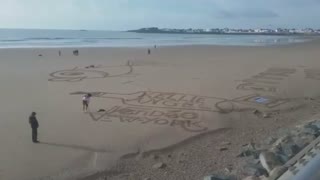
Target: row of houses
[232,30]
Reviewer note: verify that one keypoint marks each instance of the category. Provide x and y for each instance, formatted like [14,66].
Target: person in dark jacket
[34,126]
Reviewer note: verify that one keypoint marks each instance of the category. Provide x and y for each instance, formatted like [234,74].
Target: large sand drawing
[97,72]
[266,81]
[160,108]
[168,100]
[180,101]
[174,109]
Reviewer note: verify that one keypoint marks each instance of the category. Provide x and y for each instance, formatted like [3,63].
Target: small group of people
[149,50]
[35,124]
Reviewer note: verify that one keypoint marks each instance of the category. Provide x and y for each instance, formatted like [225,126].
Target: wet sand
[150,101]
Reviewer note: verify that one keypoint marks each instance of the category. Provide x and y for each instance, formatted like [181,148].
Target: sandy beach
[187,98]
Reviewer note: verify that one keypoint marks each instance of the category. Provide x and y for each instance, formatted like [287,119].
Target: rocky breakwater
[268,160]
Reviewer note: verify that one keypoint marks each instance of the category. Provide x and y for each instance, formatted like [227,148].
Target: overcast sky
[131,14]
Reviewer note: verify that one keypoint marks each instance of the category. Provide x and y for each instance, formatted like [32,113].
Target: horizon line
[84,29]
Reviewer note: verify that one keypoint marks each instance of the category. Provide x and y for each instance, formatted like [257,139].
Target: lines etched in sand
[313,74]
[80,74]
[187,120]
[271,102]
[173,109]
[266,81]
[168,100]
[75,75]
[180,101]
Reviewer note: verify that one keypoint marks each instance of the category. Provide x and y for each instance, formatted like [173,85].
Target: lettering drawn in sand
[180,101]
[167,100]
[80,74]
[186,120]
[266,81]
[174,109]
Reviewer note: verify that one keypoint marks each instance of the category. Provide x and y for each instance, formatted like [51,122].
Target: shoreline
[309,41]
[304,39]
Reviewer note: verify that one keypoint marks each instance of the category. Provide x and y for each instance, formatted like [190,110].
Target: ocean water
[18,38]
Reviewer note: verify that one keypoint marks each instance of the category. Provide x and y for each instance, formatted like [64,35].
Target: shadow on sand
[77,147]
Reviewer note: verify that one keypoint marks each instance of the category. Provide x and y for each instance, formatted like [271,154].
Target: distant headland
[230,31]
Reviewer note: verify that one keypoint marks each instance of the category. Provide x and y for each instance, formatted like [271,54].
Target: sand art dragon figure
[91,72]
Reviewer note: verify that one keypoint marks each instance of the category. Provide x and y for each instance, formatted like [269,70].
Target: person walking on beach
[149,51]
[85,102]
[34,126]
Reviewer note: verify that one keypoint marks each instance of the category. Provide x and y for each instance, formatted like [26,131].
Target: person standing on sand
[34,126]
[149,51]
[85,102]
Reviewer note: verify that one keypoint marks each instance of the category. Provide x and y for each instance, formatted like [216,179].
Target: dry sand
[151,102]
